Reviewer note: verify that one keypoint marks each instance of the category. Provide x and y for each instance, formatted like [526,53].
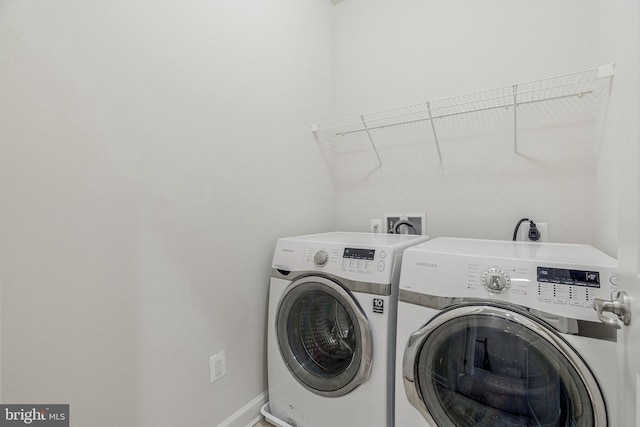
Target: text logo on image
[34,415]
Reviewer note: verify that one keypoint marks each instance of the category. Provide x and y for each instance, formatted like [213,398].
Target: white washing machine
[495,333]
[331,331]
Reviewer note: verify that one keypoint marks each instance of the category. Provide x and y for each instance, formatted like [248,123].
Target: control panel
[567,286]
[576,288]
[360,257]
[348,261]
[558,279]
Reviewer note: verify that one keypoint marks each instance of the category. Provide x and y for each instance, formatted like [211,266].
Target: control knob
[321,258]
[496,280]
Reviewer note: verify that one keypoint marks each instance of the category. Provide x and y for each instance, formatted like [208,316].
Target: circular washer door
[495,366]
[324,336]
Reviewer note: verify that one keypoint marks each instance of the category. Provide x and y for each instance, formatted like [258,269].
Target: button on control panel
[351,264]
[496,280]
[362,260]
[321,258]
[576,288]
[572,295]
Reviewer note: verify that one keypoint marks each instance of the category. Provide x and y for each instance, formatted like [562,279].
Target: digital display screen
[565,276]
[351,253]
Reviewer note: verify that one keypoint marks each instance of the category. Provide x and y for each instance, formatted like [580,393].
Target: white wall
[619,173]
[150,155]
[617,163]
[390,54]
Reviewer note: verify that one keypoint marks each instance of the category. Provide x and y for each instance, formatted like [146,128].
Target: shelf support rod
[515,121]
[435,135]
[375,150]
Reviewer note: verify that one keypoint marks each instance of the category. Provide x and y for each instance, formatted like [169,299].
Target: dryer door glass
[489,366]
[324,336]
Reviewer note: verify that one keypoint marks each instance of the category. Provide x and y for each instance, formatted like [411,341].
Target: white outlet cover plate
[217,366]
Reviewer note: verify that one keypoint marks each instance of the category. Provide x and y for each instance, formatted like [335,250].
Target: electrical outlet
[523,232]
[375,226]
[217,366]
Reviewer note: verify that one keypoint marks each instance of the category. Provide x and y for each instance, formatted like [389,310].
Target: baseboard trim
[249,414]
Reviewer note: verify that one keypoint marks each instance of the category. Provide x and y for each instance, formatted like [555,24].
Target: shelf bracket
[435,135]
[375,150]
[515,122]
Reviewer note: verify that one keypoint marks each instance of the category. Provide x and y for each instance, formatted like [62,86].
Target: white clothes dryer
[331,330]
[500,333]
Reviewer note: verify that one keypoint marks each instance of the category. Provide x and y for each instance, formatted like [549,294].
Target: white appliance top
[378,239]
[365,257]
[556,278]
[497,249]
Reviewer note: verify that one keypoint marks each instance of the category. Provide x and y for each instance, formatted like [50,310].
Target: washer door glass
[491,366]
[324,336]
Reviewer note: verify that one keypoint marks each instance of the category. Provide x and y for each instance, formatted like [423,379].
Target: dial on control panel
[321,258]
[496,280]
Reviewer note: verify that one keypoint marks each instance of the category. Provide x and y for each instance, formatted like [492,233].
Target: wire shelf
[568,98]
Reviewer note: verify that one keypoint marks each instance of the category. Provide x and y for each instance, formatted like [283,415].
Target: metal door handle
[620,305]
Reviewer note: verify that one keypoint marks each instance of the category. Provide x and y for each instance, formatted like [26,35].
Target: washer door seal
[324,336]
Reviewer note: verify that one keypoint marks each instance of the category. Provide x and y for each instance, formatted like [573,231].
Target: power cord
[411,229]
[534,233]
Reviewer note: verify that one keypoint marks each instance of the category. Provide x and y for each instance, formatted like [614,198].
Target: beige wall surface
[393,54]
[151,153]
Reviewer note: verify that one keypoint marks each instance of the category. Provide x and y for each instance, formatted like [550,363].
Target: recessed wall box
[405,224]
